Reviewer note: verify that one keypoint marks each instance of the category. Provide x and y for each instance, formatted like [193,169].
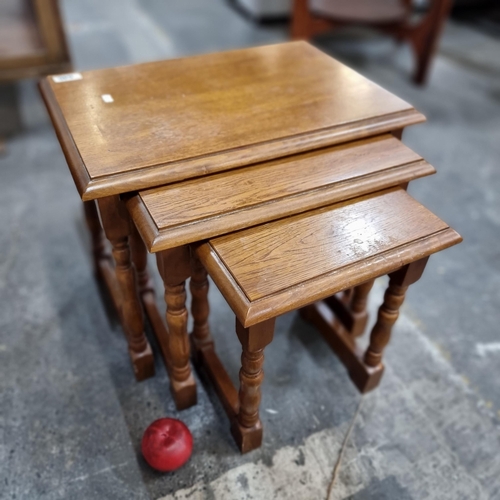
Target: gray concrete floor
[71,414]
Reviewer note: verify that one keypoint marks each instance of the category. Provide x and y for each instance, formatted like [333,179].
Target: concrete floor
[71,414]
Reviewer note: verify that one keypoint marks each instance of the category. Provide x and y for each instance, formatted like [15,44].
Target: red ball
[167,444]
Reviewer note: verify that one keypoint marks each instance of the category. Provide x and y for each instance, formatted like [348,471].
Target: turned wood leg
[147,292]
[174,267]
[345,296]
[96,233]
[358,308]
[175,298]
[116,225]
[140,259]
[200,309]
[389,311]
[247,427]
[387,316]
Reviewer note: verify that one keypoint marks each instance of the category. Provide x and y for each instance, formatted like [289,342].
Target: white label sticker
[107,98]
[68,77]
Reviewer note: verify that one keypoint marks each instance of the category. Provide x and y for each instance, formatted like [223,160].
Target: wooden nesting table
[177,152]
[294,261]
[268,270]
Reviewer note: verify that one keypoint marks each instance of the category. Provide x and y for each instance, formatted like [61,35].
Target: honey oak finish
[32,39]
[287,264]
[123,284]
[130,291]
[173,120]
[312,17]
[178,119]
[261,270]
[123,234]
[365,369]
[172,216]
[175,269]
[189,211]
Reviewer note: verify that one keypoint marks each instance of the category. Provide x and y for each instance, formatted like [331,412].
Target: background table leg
[358,308]
[140,259]
[146,286]
[200,309]
[96,233]
[116,225]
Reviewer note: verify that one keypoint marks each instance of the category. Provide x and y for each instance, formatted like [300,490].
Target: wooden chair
[312,17]
[32,39]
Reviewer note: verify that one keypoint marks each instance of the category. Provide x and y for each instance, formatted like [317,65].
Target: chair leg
[174,269]
[425,38]
[301,20]
[389,310]
[247,427]
[116,224]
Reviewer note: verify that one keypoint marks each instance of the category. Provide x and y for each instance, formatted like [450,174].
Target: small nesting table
[291,263]
[283,265]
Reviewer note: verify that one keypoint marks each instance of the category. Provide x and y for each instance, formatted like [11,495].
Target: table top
[267,270]
[201,208]
[135,127]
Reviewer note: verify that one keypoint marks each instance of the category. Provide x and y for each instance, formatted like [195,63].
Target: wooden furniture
[192,210]
[173,120]
[283,265]
[138,127]
[173,216]
[291,263]
[312,17]
[174,153]
[32,40]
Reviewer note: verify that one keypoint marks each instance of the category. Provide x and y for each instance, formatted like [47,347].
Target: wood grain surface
[172,120]
[286,264]
[210,206]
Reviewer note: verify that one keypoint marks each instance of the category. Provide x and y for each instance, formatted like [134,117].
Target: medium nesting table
[295,261]
[198,147]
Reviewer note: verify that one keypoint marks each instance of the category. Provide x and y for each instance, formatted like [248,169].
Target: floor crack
[336,467]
